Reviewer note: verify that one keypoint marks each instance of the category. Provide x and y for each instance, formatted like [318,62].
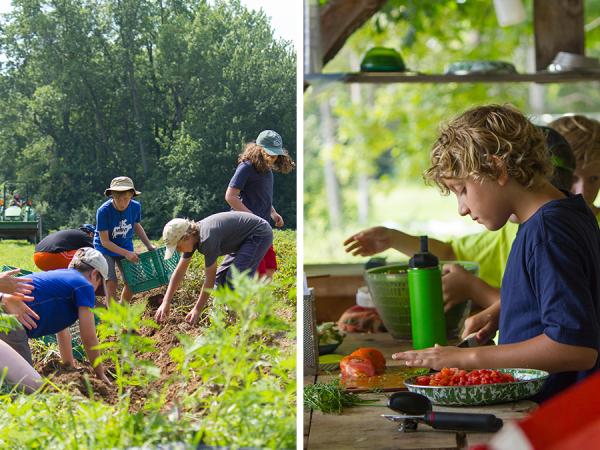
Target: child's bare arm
[209,282]
[87,330]
[109,245]
[539,352]
[377,239]
[65,347]
[139,230]
[232,197]
[276,217]
[163,310]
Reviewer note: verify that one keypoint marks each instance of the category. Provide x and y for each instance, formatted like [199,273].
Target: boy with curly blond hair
[493,159]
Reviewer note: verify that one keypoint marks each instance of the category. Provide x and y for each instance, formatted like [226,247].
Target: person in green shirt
[489,248]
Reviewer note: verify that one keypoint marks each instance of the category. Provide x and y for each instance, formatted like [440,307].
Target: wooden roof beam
[340,18]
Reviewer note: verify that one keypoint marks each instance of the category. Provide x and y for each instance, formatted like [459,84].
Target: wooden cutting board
[392,380]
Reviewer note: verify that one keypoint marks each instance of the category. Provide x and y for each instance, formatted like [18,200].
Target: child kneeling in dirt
[243,237]
[61,297]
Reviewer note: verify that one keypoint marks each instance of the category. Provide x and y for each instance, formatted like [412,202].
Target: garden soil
[81,379]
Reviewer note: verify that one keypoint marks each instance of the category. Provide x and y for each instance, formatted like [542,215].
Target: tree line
[163,91]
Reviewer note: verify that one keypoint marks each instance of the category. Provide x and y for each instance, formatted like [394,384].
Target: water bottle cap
[423,259]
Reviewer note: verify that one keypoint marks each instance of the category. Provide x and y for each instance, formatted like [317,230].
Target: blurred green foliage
[163,91]
[385,131]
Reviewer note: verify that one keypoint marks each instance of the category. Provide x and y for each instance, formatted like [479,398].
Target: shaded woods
[163,91]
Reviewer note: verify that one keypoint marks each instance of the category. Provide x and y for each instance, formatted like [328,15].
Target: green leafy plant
[8,322]
[252,382]
[121,343]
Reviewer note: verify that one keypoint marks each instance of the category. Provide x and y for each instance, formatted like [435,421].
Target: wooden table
[363,427]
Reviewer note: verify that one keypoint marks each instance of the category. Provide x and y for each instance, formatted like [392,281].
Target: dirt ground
[82,380]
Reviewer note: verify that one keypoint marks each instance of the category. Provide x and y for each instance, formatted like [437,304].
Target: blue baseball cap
[271,141]
[88,228]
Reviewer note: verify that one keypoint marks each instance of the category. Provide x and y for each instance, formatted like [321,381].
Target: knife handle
[463,421]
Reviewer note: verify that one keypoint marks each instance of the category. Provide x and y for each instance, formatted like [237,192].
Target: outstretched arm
[139,230]
[209,282]
[165,307]
[539,352]
[87,330]
[110,245]
[377,239]
[65,348]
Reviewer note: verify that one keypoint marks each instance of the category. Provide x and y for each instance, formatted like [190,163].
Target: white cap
[173,231]
[93,258]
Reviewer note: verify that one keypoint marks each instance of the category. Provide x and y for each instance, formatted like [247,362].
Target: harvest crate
[151,272]
[23,272]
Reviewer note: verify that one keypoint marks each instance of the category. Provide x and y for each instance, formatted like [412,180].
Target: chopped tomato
[354,367]
[456,377]
[373,355]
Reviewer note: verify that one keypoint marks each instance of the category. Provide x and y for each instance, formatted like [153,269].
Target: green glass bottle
[426,301]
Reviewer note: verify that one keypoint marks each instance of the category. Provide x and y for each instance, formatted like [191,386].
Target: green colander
[388,286]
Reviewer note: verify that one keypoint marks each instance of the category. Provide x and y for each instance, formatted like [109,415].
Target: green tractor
[18,219]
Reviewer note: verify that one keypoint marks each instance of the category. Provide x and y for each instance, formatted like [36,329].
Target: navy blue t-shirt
[551,284]
[64,241]
[119,225]
[256,189]
[58,294]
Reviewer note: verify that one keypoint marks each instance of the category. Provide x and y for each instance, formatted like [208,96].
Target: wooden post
[340,18]
[558,27]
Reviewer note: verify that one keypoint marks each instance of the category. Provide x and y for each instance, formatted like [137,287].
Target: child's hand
[278,220]
[103,377]
[436,357]
[193,316]
[162,313]
[17,286]
[369,242]
[132,257]
[14,305]
[484,323]
[151,248]
[455,283]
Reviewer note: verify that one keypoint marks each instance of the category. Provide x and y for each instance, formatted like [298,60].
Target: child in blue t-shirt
[116,221]
[494,160]
[60,298]
[251,187]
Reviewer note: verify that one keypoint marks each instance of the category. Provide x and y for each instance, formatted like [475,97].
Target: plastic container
[428,325]
[23,272]
[382,59]
[363,297]
[388,286]
[151,272]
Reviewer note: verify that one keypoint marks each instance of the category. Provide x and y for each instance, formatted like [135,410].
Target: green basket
[388,286]
[151,272]
[23,272]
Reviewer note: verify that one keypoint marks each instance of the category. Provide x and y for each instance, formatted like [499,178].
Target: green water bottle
[426,301]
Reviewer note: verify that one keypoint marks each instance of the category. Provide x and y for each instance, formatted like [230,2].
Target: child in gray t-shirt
[243,237]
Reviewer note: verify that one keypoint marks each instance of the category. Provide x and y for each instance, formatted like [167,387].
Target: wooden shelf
[411,77]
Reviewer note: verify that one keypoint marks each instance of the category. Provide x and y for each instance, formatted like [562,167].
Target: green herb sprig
[330,398]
